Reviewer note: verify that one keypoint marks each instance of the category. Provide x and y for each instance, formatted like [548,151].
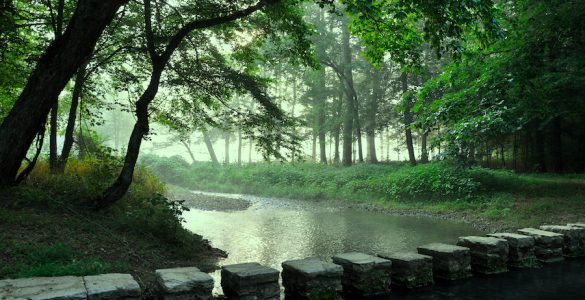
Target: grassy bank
[50,229]
[503,198]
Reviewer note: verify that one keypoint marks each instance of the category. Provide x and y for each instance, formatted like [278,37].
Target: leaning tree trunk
[68,142]
[53,158]
[209,146]
[52,72]
[117,190]
[188,147]
[408,120]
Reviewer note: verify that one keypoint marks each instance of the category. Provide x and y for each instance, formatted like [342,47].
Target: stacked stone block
[364,276]
[548,246]
[450,262]
[410,270]
[311,278]
[184,284]
[574,238]
[489,255]
[520,249]
[250,281]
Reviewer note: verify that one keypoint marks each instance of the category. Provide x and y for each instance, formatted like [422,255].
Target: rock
[184,283]
[450,262]
[311,278]
[43,288]
[548,246]
[489,255]
[410,269]
[250,281]
[364,275]
[574,238]
[520,249]
[111,286]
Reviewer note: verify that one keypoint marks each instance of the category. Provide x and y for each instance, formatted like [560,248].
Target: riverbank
[488,199]
[50,229]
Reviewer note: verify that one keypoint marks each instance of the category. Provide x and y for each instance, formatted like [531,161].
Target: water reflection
[272,231]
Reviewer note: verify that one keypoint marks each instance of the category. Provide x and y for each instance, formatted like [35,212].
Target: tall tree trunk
[69,131]
[336,133]
[52,72]
[314,146]
[239,147]
[557,145]
[53,124]
[322,147]
[408,120]
[348,117]
[424,154]
[320,103]
[227,148]
[209,146]
[382,145]
[370,123]
[358,129]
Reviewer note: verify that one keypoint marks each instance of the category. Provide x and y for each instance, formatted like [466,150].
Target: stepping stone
[250,281]
[577,224]
[112,286]
[520,249]
[184,283]
[450,262]
[43,288]
[410,269]
[489,255]
[574,238]
[311,278]
[548,246]
[364,275]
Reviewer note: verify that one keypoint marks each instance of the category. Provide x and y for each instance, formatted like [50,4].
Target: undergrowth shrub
[143,210]
[433,181]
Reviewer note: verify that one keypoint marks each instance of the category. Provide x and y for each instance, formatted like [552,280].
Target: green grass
[499,196]
[29,260]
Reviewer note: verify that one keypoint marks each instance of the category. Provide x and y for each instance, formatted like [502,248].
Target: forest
[121,121]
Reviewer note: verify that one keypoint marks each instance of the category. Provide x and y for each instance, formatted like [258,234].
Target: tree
[54,69]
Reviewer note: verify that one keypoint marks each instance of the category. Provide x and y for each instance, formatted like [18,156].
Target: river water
[271,231]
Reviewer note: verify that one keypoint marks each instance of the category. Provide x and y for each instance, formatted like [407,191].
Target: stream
[270,231]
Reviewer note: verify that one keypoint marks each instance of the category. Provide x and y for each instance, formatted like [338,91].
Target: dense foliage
[522,96]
